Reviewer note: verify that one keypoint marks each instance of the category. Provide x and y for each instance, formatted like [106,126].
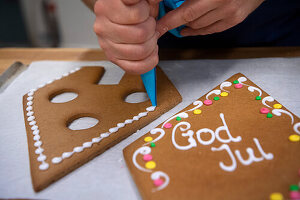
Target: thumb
[154,7]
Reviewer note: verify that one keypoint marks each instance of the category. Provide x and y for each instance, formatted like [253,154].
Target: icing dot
[207,102]
[44,166]
[158,182]
[150,165]
[51,81]
[87,144]
[38,144]
[178,118]
[294,195]
[276,196]
[32,123]
[238,86]
[41,158]
[120,125]
[96,140]
[128,121]
[269,115]
[151,108]
[168,125]
[29,108]
[56,160]
[264,110]
[30,93]
[277,106]
[216,98]
[34,127]
[258,98]
[148,139]
[42,85]
[294,138]
[153,145]
[29,103]
[36,137]
[39,150]
[66,154]
[294,187]
[197,111]
[147,157]
[29,98]
[104,135]
[30,118]
[78,149]
[235,82]
[36,132]
[224,94]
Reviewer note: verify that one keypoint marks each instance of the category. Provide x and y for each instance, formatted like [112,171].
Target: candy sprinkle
[158,182]
[235,82]
[238,86]
[150,165]
[258,98]
[148,139]
[152,144]
[147,157]
[294,138]
[264,110]
[224,94]
[178,118]
[269,115]
[277,106]
[168,125]
[276,196]
[294,187]
[197,112]
[207,102]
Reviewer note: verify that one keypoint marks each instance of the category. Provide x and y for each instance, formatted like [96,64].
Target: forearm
[90,4]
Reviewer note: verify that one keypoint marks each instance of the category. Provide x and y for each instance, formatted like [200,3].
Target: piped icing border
[36,132]
[146,148]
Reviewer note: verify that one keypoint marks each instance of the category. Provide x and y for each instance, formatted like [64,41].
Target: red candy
[264,110]
[238,86]
[207,102]
[294,195]
[168,125]
[147,157]
[158,182]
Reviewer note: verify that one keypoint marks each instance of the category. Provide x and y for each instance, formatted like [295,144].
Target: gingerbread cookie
[236,142]
[55,149]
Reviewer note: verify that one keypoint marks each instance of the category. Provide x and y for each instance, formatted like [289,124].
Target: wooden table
[27,55]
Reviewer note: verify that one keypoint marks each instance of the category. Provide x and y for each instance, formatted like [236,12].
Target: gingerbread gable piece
[56,150]
[236,142]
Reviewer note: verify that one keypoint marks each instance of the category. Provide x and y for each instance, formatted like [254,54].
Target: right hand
[126,33]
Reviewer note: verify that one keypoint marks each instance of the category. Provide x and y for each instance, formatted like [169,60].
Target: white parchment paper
[106,176]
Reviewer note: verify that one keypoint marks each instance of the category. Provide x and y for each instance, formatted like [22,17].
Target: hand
[204,17]
[126,33]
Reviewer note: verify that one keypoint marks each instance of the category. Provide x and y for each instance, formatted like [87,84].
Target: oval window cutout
[64,97]
[137,97]
[83,123]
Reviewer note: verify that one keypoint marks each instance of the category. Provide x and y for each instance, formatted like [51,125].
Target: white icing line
[216,92]
[296,128]
[252,89]
[279,111]
[225,84]
[269,99]
[143,151]
[158,174]
[153,132]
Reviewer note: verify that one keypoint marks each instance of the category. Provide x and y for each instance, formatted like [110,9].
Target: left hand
[203,17]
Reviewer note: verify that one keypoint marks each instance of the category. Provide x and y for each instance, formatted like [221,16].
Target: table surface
[27,55]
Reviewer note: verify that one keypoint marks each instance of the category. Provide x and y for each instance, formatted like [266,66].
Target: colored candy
[197,111]
[152,144]
[294,187]
[178,118]
[147,157]
[294,138]
[207,102]
[295,195]
[269,115]
[168,125]
[148,139]
[276,196]
[277,106]
[258,98]
[238,86]
[224,94]
[235,82]
[150,165]
[264,110]
[158,182]
[216,98]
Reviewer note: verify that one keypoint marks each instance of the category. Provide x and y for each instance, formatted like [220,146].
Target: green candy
[216,98]
[294,187]
[258,98]
[235,82]
[269,115]
[152,144]
[178,118]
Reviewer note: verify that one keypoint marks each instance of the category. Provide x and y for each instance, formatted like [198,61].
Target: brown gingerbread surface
[223,146]
[55,150]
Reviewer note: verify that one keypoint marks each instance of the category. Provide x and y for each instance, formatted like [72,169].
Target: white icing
[31,118]
[56,160]
[29,103]
[34,127]
[157,175]
[268,156]
[279,111]
[189,134]
[225,128]
[32,123]
[296,128]
[216,92]
[153,132]
[225,84]
[252,89]
[151,108]
[198,104]
[29,98]
[36,132]
[269,99]
[242,79]
[29,108]
[205,130]
[142,150]
[250,159]
[228,168]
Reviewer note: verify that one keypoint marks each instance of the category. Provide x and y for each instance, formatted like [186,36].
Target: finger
[141,66]
[187,12]
[132,52]
[130,34]
[216,27]
[206,19]
[131,2]
[154,8]
[126,14]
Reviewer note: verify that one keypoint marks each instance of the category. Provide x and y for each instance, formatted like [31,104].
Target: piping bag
[149,78]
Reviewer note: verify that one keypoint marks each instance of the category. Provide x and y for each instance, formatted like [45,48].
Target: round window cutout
[137,97]
[63,97]
[82,123]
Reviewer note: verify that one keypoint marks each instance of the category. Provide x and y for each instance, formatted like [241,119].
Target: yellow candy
[197,111]
[224,94]
[276,196]
[150,165]
[148,139]
[277,106]
[294,138]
